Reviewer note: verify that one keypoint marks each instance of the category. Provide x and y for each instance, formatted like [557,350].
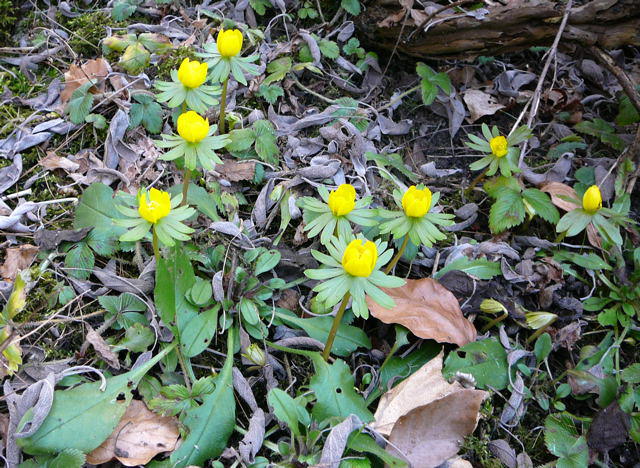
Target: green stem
[560,237]
[493,322]
[334,327]
[186,370]
[399,97]
[541,330]
[184,106]
[223,105]
[186,179]
[156,249]
[476,181]
[398,256]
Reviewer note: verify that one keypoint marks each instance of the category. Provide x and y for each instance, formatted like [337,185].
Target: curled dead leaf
[16,259]
[76,76]
[480,104]
[139,436]
[429,310]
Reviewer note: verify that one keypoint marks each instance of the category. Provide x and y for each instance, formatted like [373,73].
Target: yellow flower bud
[154,204]
[416,202]
[256,355]
[192,73]
[343,200]
[192,127]
[537,320]
[592,199]
[491,306]
[229,42]
[360,257]
[499,146]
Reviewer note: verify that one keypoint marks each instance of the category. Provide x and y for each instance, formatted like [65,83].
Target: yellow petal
[360,257]
[229,42]
[592,199]
[499,146]
[342,200]
[416,202]
[192,127]
[192,73]
[154,204]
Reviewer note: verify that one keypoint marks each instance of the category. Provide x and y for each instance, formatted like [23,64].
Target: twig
[538,92]
[627,85]
[437,12]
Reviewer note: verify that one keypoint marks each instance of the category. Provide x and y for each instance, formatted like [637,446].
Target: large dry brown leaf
[76,76]
[429,310]
[236,171]
[430,434]
[480,104]
[420,388]
[139,436]
[16,259]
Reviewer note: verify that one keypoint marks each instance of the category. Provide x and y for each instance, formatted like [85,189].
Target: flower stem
[186,179]
[398,256]
[541,330]
[223,105]
[399,98]
[156,250]
[334,327]
[477,180]
[495,321]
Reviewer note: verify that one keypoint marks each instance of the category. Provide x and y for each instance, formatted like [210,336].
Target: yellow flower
[192,73]
[154,205]
[499,146]
[592,199]
[360,257]
[342,200]
[192,127]
[416,202]
[229,42]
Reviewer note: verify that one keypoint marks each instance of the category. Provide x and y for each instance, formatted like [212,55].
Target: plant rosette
[223,58]
[176,92]
[354,266]
[416,217]
[155,209]
[501,151]
[196,141]
[590,211]
[335,213]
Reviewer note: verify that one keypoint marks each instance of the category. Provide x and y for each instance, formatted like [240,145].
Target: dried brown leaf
[429,435]
[235,171]
[429,310]
[480,104]
[139,436]
[102,348]
[52,161]
[76,76]
[16,259]
[420,388]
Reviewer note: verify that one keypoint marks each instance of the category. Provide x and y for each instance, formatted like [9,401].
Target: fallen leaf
[102,348]
[49,239]
[429,310]
[139,436]
[609,429]
[420,388]
[52,161]
[235,171]
[430,434]
[16,259]
[480,104]
[76,76]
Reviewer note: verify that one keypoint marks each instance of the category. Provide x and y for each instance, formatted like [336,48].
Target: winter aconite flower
[353,266]
[195,141]
[499,146]
[501,152]
[229,42]
[592,199]
[192,127]
[154,205]
[359,258]
[335,213]
[416,202]
[590,211]
[415,217]
[342,201]
[192,73]
[154,210]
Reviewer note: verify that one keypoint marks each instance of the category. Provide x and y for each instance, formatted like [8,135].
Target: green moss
[173,60]
[88,30]
[8,9]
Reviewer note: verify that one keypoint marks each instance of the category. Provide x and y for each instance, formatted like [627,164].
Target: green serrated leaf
[97,210]
[80,103]
[79,261]
[270,93]
[266,141]
[507,211]
[124,9]
[541,203]
[146,111]
[329,49]
[486,360]
[351,6]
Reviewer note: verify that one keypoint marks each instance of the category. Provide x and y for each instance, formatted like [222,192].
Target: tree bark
[516,26]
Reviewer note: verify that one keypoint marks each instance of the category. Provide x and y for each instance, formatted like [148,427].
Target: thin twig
[437,12]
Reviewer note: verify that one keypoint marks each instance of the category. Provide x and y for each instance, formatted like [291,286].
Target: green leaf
[561,438]
[632,374]
[566,147]
[424,71]
[137,338]
[363,443]
[80,103]
[201,292]
[602,130]
[174,278]
[507,211]
[260,6]
[68,458]
[541,203]
[347,340]
[200,198]
[267,261]
[543,347]
[197,334]
[209,425]
[627,112]
[146,111]
[124,9]
[335,396]
[496,185]
[97,120]
[429,92]
[266,141]
[351,6]
[481,268]
[278,69]
[288,410]
[97,210]
[80,261]
[486,360]
[135,58]
[329,48]
[270,93]
[393,160]
[86,410]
